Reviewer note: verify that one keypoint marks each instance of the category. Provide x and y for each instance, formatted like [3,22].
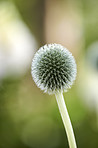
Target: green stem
[66,120]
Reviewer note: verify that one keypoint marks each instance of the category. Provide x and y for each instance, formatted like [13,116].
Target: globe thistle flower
[54,71]
[53,68]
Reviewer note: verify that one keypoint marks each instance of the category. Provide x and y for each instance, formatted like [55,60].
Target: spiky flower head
[53,68]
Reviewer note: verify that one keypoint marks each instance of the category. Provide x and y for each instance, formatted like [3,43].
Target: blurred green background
[30,118]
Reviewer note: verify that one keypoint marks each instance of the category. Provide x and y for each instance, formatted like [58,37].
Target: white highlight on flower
[53,68]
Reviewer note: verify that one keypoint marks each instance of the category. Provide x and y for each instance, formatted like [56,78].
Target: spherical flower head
[53,68]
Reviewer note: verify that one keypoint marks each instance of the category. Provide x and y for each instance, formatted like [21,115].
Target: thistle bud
[53,68]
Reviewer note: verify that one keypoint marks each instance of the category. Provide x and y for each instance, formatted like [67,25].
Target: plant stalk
[66,119]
